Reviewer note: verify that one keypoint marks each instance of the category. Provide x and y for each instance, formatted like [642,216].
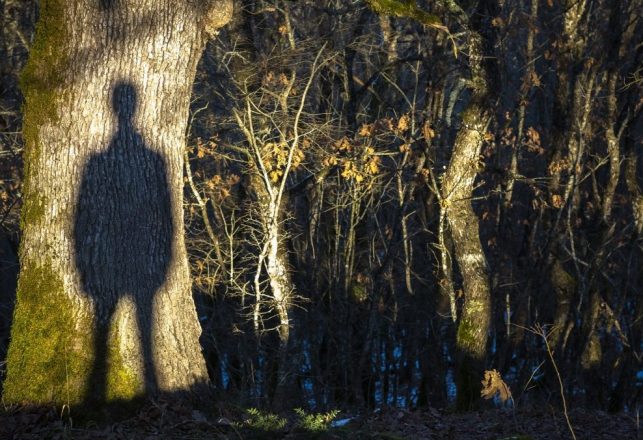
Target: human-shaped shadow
[123,235]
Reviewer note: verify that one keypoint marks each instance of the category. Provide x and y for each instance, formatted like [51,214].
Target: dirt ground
[165,420]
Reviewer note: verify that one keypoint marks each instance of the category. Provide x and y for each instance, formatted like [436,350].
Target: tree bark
[104,308]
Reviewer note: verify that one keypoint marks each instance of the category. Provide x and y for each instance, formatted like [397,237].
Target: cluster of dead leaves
[493,385]
[274,156]
[557,201]
[358,170]
[219,187]
[532,141]
[557,166]
[203,148]
[356,160]
[386,126]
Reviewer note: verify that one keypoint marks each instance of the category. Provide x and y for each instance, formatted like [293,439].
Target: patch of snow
[341,422]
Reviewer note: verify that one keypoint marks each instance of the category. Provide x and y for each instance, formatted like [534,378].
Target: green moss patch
[33,209]
[122,383]
[467,376]
[41,84]
[466,337]
[405,8]
[48,361]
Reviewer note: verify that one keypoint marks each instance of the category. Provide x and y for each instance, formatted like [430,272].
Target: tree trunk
[457,192]
[475,318]
[104,308]
[274,257]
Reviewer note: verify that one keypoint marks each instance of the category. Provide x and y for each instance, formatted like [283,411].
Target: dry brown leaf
[428,132]
[366,130]
[404,123]
[343,145]
[557,201]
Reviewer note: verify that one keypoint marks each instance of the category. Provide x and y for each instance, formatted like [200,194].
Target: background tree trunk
[106,92]
[457,194]
[475,319]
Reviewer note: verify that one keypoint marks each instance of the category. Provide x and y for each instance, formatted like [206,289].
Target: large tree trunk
[104,308]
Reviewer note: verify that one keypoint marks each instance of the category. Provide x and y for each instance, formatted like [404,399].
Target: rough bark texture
[104,306]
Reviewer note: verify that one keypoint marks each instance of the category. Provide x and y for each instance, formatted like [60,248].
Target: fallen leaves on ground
[166,420]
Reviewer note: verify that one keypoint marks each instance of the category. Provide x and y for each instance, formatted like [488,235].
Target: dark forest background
[360,302]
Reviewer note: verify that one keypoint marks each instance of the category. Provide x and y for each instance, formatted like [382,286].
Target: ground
[162,419]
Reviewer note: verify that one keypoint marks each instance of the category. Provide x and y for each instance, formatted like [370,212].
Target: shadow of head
[107,5]
[124,101]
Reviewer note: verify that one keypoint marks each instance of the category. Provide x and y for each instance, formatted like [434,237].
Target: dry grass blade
[540,331]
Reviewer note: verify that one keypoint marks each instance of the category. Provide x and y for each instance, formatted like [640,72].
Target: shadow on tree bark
[123,247]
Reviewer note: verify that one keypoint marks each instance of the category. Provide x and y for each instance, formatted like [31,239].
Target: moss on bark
[471,353]
[122,383]
[49,360]
[466,334]
[405,8]
[41,84]
[52,353]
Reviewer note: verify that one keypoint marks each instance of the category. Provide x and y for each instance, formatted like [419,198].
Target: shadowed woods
[377,291]
[123,237]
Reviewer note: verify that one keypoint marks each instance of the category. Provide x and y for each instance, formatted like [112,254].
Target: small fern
[264,421]
[315,422]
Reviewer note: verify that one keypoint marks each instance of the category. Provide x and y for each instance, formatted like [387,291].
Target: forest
[378,219]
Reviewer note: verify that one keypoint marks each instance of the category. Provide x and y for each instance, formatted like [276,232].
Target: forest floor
[172,421]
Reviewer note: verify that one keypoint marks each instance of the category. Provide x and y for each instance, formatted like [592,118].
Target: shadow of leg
[96,394]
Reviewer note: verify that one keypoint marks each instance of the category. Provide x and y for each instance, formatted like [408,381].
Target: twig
[540,331]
